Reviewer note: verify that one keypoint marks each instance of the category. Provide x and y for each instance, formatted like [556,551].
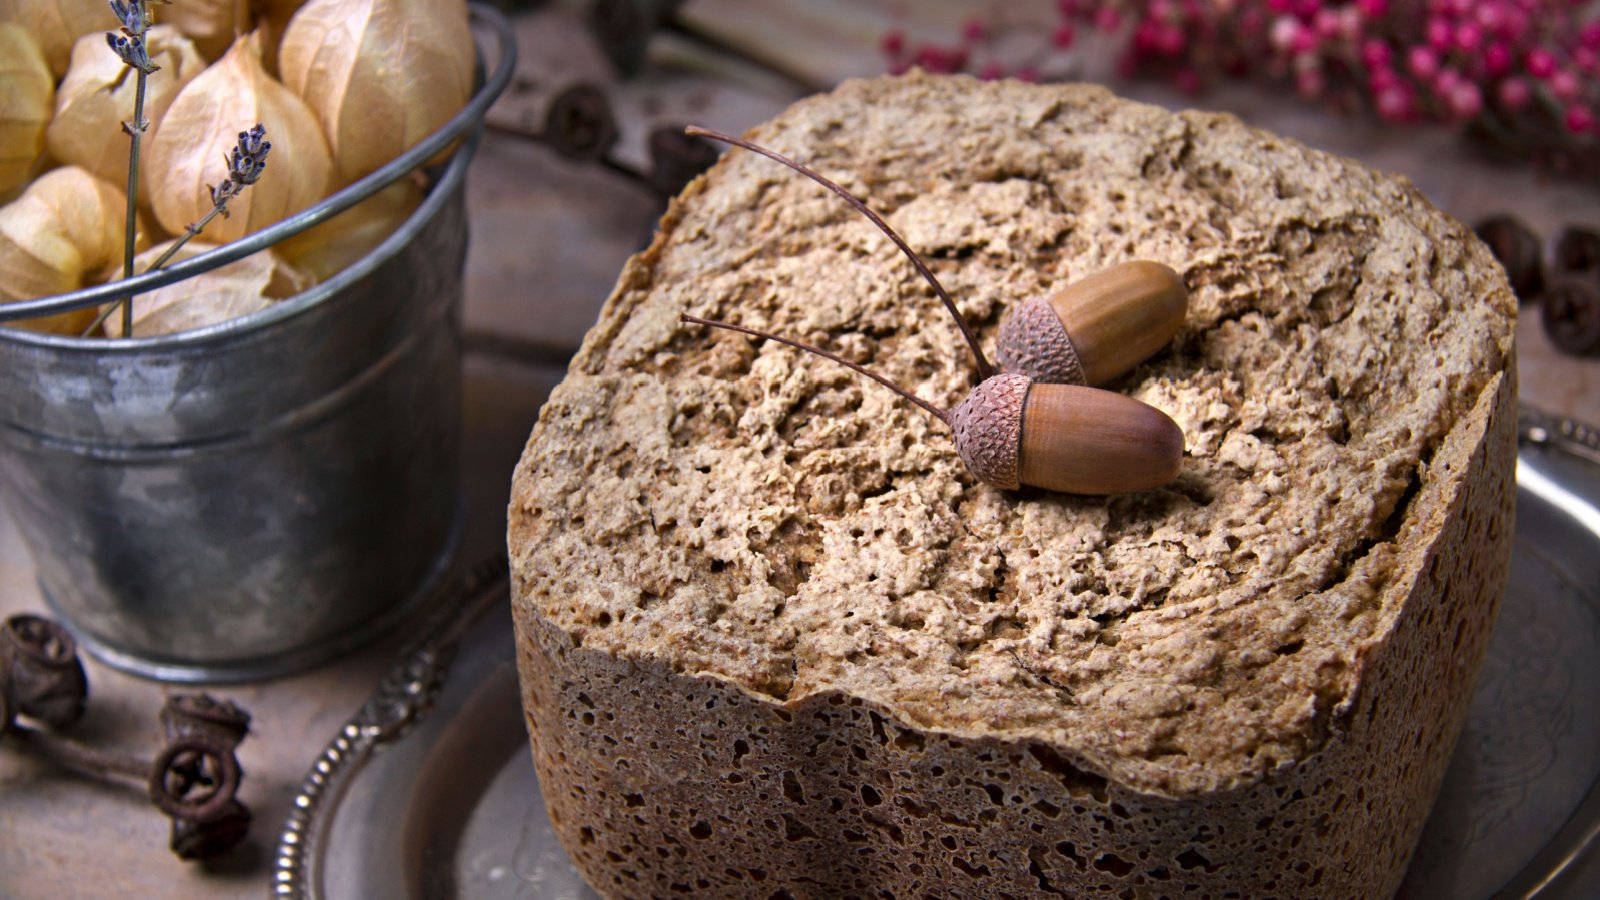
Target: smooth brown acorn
[1097,327]
[1012,429]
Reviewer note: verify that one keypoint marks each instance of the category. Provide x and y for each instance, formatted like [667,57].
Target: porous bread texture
[776,641]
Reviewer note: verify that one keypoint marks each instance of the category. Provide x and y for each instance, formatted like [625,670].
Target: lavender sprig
[246,163]
[130,48]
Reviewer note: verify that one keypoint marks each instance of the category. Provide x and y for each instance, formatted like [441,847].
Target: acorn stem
[936,412]
[984,369]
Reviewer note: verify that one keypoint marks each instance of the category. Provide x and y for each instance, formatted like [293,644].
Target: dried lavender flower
[246,162]
[132,51]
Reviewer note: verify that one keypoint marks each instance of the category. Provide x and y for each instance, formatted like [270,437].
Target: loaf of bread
[775,641]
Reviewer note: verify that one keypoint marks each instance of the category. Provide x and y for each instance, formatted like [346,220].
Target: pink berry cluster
[1525,71]
[974,53]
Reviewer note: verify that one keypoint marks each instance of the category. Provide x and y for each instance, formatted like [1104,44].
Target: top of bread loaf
[740,510]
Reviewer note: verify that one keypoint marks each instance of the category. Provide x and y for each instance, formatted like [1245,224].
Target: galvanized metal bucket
[257,496]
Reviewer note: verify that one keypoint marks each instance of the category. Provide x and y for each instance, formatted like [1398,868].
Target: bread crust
[1279,730]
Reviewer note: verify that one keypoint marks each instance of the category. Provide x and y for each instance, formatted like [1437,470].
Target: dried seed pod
[1095,328]
[204,123]
[222,294]
[47,680]
[65,230]
[1011,430]
[96,97]
[57,24]
[1517,249]
[622,28]
[8,703]
[381,76]
[1572,315]
[213,837]
[223,721]
[327,249]
[676,159]
[195,777]
[578,123]
[25,104]
[211,24]
[1577,250]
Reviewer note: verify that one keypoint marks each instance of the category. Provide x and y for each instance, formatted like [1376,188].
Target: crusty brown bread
[776,642]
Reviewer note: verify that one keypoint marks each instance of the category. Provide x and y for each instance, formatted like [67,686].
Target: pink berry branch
[1524,72]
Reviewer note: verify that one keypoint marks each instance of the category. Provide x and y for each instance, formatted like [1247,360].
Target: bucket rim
[466,126]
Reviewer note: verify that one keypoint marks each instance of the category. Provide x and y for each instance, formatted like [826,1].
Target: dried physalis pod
[24,104]
[210,24]
[1012,430]
[222,294]
[57,24]
[97,96]
[1097,327]
[61,233]
[272,19]
[203,124]
[380,74]
[330,247]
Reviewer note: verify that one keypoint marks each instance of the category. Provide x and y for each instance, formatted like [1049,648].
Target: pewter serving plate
[405,804]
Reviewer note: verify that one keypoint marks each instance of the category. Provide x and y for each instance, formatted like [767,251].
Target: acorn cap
[1034,342]
[988,429]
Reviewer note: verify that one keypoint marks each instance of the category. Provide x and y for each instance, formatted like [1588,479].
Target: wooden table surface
[548,237]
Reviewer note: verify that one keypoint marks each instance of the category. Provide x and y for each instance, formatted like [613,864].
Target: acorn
[1014,429]
[1095,328]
